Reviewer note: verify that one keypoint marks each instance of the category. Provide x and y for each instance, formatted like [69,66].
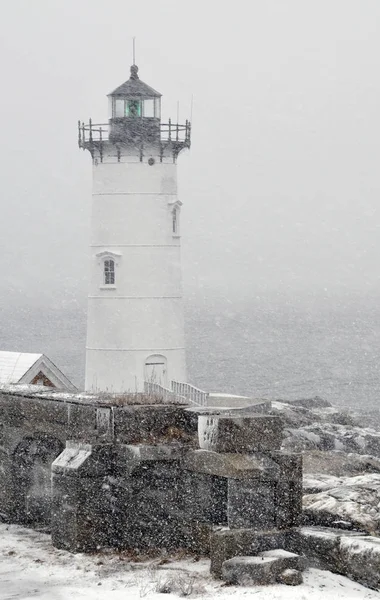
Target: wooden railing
[191,393]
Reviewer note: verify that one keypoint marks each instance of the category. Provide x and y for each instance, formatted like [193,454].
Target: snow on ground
[30,568]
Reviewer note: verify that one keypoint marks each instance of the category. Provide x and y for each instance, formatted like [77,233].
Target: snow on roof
[14,365]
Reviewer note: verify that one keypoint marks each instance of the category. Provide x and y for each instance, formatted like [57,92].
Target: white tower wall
[141,315]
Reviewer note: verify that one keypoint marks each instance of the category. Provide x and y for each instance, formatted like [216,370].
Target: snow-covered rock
[351,500]
[341,463]
[313,424]
[353,555]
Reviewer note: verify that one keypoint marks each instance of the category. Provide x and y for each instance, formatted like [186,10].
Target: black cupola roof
[135,87]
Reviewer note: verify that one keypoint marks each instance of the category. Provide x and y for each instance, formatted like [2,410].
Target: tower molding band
[133,193]
[134,297]
[152,350]
[135,246]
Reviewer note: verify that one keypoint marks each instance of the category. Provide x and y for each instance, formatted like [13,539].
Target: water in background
[254,349]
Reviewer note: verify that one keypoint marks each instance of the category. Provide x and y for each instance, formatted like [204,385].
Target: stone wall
[35,426]
[131,475]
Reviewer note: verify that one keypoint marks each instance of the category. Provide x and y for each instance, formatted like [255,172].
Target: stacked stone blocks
[143,476]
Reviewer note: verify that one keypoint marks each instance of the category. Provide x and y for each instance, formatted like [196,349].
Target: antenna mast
[134,50]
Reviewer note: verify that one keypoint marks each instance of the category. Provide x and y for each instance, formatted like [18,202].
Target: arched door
[32,477]
[156,369]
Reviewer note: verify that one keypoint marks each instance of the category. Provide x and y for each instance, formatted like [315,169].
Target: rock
[327,436]
[263,569]
[80,512]
[249,570]
[83,460]
[338,464]
[238,466]
[247,433]
[227,543]
[129,457]
[264,491]
[154,424]
[251,505]
[352,499]
[286,559]
[316,402]
[288,503]
[227,403]
[290,577]
[351,554]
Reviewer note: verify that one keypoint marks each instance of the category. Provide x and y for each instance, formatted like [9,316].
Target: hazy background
[280,221]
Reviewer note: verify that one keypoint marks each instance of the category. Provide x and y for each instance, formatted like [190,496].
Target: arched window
[108,262]
[109,272]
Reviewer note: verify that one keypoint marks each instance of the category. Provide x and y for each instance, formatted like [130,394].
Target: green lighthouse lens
[133,108]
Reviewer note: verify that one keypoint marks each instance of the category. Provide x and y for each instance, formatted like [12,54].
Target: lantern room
[134,99]
[134,124]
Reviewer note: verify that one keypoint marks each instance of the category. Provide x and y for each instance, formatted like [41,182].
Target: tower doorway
[156,369]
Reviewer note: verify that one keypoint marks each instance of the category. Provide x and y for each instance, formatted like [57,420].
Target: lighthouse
[135,324]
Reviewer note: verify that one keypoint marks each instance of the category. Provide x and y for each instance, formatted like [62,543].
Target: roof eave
[149,92]
[116,94]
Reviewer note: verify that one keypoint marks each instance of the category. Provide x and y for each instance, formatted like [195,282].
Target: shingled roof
[135,87]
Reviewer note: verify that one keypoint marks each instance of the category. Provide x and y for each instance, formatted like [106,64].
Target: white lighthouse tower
[135,328]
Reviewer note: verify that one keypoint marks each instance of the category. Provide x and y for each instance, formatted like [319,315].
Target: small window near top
[157,108]
[109,272]
[175,221]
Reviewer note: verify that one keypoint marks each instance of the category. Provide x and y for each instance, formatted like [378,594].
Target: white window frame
[103,257]
[175,210]
[109,272]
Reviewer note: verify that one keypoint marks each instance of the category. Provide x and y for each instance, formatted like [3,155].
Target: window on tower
[109,272]
[175,221]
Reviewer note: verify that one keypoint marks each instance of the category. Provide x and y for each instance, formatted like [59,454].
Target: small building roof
[135,87]
[14,365]
[23,367]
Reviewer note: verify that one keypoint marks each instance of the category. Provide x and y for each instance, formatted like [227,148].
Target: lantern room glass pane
[157,108]
[119,108]
[148,108]
[133,108]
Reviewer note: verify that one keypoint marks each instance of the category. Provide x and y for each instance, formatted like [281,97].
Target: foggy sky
[281,186]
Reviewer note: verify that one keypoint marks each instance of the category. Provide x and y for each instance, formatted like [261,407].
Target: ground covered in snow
[31,568]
